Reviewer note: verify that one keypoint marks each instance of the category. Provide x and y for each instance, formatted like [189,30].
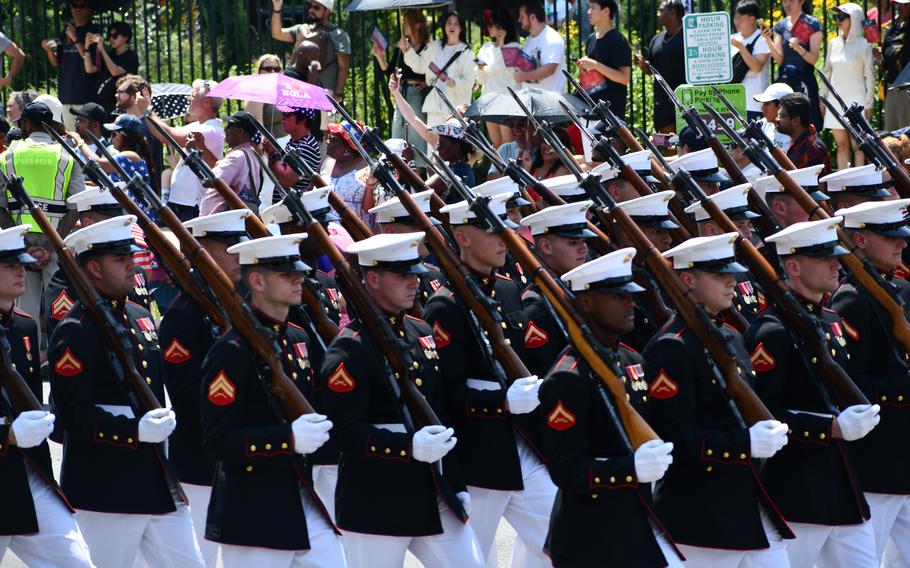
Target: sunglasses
[269,69]
[113,35]
[839,17]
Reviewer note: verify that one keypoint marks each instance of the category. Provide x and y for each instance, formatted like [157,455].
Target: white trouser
[164,541]
[528,511]
[58,541]
[325,478]
[325,547]
[846,546]
[775,556]
[890,519]
[199,497]
[455,547]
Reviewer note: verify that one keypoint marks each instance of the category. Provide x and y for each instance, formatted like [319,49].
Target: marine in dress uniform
[651,214]
[37,523]
[879,366]
[511,268]
[93,205]
[185,336]
[702,166]
[619,188]
[263,510]
[559,240]
[749,300]
[711,499]
[496,423]
[852,186]
[783,206]
[391,498]
[316,202]
[115,473]
[603,508]
[392,217]
[812,480]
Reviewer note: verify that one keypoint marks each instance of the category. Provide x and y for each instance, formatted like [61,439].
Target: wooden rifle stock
[791,312]
[292,400]
[111,332]
[20,395]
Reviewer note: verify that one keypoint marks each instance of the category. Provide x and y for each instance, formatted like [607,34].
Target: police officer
[749,300]
[37,523]
[878,364]
[263,510]
[603,507]
[783,206]
[496,425]
[114,471]
[50,176]
[92,205]
[392,217]
[812,480]
[559,240]
[390,497]
[711,499]
[651,214]
[315,201]
[186,335]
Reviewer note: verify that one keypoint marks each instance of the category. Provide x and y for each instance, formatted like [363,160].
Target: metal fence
[181,40]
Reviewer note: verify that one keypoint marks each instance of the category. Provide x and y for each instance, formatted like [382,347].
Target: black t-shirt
[668,58]
[397,61]
[76,86]
[107,91]
[613,51]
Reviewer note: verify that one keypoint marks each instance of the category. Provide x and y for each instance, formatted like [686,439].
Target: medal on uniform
[428,343]
[27,342]
[302,357]
[838,332]
[746,292]
[636,372]
[146,326]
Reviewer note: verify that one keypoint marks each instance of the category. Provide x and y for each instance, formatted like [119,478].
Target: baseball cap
[330,4]
[244,120]
[54,104]
[93,111]
[774,92]
[126,122]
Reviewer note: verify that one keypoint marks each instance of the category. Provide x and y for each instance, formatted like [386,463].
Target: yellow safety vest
[45,171]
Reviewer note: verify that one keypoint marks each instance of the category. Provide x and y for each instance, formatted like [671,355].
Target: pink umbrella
[275,88]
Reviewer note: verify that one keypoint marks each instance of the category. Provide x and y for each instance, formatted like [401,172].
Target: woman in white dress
[493,69]
[850,68]
[447,63]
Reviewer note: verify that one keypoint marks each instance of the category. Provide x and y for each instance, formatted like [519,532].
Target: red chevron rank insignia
[341,381]
[442,336]
[222,391]
[535,337]
[663,386]
[61,305]
[560,418]
[851,331]
[762,361]
[67,365]
[176,353]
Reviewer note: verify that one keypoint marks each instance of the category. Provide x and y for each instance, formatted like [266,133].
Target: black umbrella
[544,105]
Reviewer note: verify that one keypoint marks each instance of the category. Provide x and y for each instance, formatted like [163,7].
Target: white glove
[430,443]
[311,431]
[767,437]
[32,427]
[465,501]
[652,460]
[156,425]
[522,395]
[858,420]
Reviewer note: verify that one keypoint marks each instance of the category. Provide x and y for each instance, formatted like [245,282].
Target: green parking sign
[694,95]
[706,38]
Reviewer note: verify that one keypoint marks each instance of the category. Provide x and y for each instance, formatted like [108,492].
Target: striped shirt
[308,148]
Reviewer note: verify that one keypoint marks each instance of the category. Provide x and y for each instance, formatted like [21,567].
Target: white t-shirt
[780,140]
[755,83]
[186,189]
[548,47]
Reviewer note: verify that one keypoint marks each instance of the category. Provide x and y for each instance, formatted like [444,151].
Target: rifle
[514,170]
[21,398]
[197,165]
[261,339]
[862,270]
[754,131]
[114,336]
[178,267]
[792,313]
[628,423]
[353,224]
[744,404]
[878,153]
